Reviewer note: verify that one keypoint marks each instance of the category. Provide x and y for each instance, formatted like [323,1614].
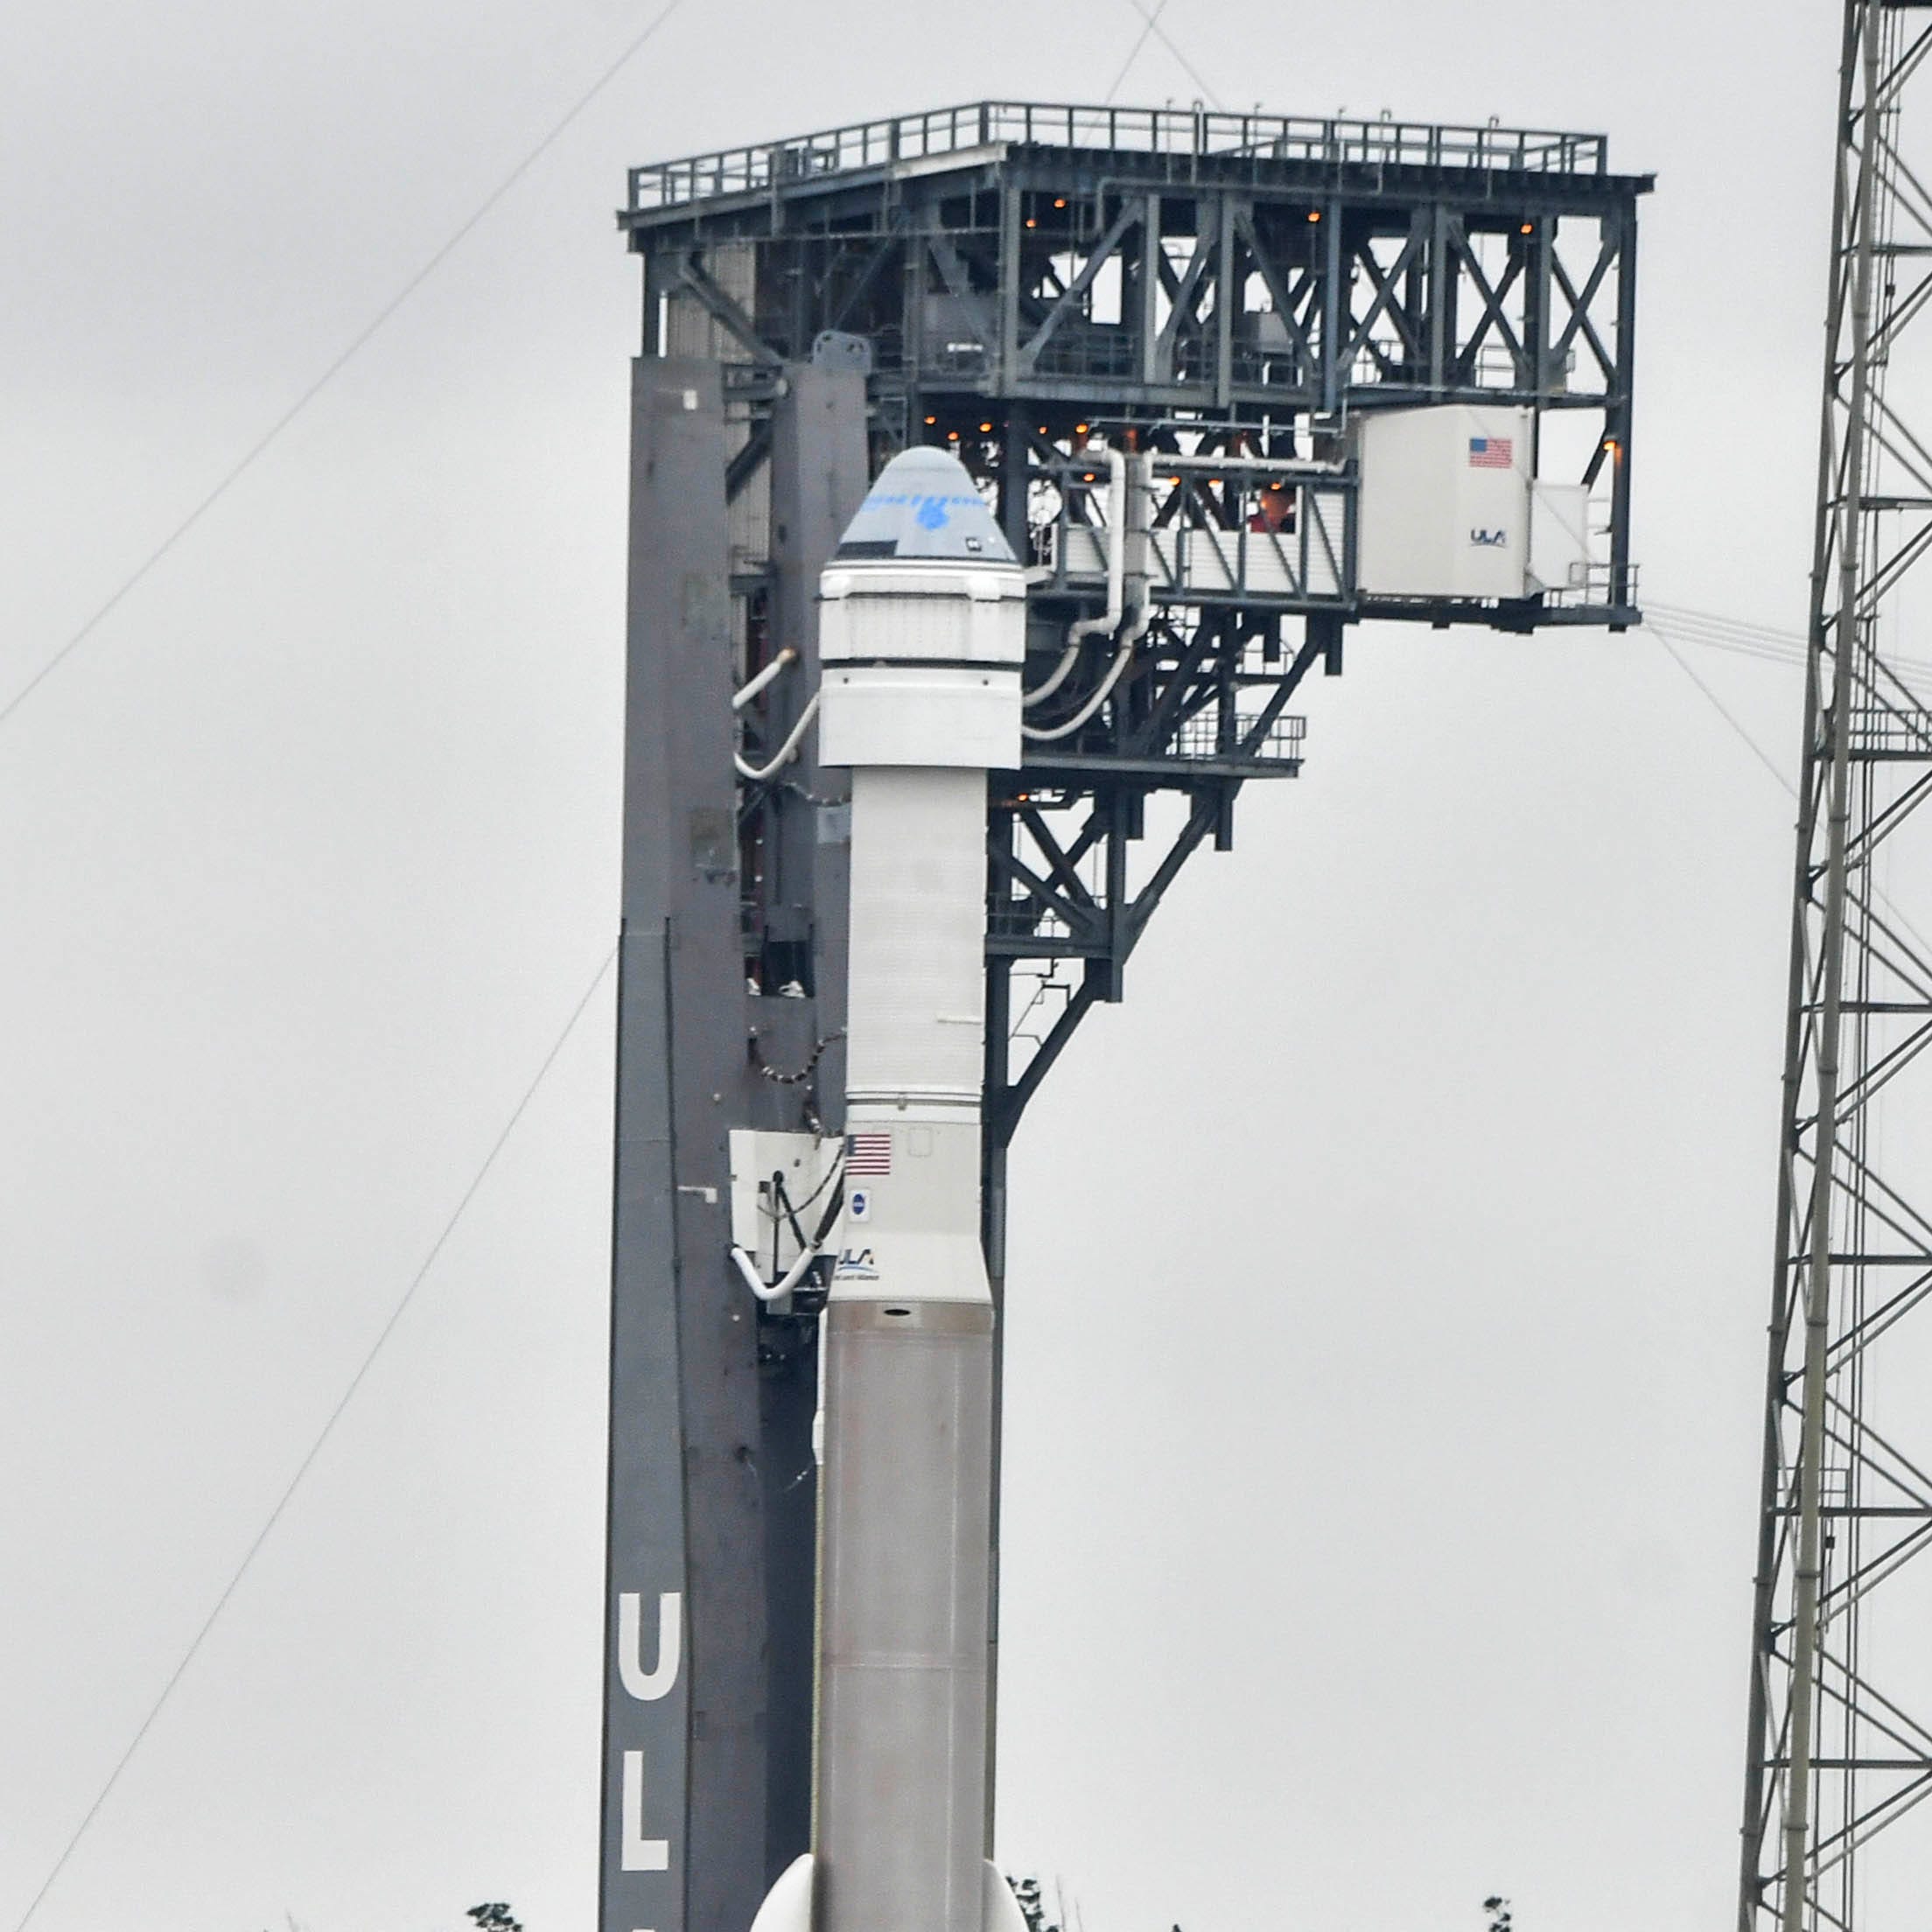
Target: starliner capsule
[922,634]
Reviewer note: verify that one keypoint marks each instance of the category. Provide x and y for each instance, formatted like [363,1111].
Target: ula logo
[1490,540]
[856,1264]
[638,1851]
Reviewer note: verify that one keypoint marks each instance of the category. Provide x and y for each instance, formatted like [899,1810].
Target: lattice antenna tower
[1840,1729]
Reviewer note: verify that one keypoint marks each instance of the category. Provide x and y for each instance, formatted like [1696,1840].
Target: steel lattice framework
[1220,301]
[1840,1665]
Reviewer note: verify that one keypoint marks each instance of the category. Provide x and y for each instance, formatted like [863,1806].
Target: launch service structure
[992,470]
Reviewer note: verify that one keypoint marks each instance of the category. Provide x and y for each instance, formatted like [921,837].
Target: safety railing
[1180,131]
[1206,736]
[1297,550]
[1594,584]
[1891,732]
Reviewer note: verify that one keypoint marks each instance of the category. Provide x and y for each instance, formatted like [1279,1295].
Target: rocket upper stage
[921,626]
[921,633]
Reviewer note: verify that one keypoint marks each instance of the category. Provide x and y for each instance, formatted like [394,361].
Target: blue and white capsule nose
[924,509]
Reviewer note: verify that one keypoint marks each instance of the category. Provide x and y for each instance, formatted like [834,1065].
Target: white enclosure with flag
[1444,501]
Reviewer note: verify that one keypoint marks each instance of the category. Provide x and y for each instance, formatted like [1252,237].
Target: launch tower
[1231,383]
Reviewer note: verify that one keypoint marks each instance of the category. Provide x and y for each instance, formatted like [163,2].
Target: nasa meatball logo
[862,1204]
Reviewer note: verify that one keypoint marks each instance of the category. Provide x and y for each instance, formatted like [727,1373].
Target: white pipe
[755,1282]
[1143,617]
[1244,465]
[743,698]
[758,774]
[1116,583]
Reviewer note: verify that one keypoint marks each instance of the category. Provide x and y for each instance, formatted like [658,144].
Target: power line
[1726,634]
[1723,711]
[1152,21]
[1770,765]
[235,472]
[1720,633]
[1154,27]
[1883,675]
[1723,620]
[315,1448]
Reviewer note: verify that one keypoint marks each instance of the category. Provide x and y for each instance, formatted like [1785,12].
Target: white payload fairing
[921,635]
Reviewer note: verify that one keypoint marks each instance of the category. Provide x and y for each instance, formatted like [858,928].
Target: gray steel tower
[1840,1657]
[1231,383]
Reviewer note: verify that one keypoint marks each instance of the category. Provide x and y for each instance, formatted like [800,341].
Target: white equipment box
[1444,508]
[781,1183]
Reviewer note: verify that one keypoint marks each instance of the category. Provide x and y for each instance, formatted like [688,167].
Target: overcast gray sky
[1387,1274]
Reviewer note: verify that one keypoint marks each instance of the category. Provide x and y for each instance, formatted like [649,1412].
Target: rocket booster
[922,631]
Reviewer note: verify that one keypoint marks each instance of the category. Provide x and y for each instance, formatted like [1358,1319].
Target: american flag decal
[1492,452]
[868,1156]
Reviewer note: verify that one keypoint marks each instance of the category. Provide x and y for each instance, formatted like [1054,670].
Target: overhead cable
[357,343]
[1161,33]
[1723,711]
[1152,24]
[316,1447]
[1770,764]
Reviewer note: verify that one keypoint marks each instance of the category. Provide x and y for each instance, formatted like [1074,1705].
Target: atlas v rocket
[922,632]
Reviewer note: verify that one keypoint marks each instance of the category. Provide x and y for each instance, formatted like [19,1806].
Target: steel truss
[1218,295]
[1837,1759]
[1254,278]
[1226,290]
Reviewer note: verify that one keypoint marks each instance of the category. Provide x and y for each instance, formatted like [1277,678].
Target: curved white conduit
[1117,585]
[786,1283]
[788,656]
[788,751]
[1144,616]
[758,774]
[832,1220]
[808,1255]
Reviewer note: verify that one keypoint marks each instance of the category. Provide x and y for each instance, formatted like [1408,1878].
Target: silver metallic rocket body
[921,633]
[902,1711]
